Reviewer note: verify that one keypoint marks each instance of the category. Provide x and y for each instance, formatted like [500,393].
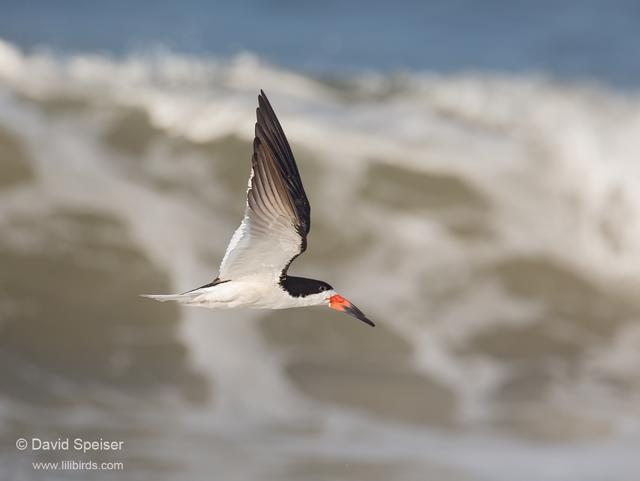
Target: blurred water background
[473,172]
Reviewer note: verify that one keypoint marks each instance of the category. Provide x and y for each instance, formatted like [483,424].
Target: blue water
[576,39]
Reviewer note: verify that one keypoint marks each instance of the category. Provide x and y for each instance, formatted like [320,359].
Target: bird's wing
[277,217]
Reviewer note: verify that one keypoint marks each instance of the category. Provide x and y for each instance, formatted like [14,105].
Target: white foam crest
[576,147]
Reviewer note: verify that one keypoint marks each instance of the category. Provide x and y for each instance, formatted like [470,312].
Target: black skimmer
[273,232]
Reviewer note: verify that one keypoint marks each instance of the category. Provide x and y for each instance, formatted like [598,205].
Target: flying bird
[272,234]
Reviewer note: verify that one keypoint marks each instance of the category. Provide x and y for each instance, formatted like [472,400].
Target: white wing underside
[260,247]
[277,214]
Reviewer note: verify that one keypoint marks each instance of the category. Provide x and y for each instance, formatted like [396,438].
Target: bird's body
[250,291]
[273,232]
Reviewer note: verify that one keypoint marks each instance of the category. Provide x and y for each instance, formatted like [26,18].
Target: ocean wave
[493,234]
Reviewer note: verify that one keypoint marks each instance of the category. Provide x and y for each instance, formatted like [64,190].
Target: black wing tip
[262,99]
[262,114]
[264,105]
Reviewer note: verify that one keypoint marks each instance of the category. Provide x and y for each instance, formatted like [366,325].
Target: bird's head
[319,293]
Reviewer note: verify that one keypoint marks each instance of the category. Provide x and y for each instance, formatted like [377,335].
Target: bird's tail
[182,298]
